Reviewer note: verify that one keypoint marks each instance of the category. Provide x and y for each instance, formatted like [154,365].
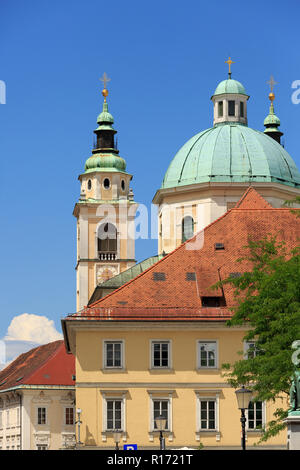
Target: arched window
[107,238]
[187,228]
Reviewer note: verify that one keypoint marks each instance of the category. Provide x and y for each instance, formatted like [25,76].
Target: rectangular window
[207,354]
[255,415]
[161,408]
[41,415]
[207,414]
[250,349]
[241,109]
[113,415]
[231,108]
[41,447]
[69,416]
[220,109]
[160,354]
[113,354]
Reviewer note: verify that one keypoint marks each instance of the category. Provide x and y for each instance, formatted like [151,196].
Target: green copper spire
[105,156]
[272,122]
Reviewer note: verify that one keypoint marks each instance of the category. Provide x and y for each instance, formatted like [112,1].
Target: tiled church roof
[48,364]
[168,290]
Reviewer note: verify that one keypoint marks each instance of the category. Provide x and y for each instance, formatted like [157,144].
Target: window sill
[161,369]
[110,433]
[155,433]
[254,431]
[113,369]
[207,432]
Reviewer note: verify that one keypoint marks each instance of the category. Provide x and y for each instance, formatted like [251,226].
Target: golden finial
[105,79]
[229,62]
[271,82]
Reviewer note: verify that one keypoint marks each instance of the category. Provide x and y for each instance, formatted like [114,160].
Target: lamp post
[243,396]
[117,438]
[78,422]
[160,422]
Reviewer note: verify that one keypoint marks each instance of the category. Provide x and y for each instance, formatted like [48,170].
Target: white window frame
[263,419]
[198,359]
[46,415]
[202,396]
[160,341]
[65,415]
[41,447]
[107,398]
[206,400]
[167,399]
[109,341]
[247,347]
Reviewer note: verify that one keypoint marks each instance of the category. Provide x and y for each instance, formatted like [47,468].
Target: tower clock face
[105,272]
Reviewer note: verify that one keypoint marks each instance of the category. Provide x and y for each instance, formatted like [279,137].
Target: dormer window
[231,108]
[220,109]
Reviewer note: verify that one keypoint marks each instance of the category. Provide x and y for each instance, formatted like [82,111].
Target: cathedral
[206,177]
[150,338]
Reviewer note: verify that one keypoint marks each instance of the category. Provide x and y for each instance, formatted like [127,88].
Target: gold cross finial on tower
[271,82]
[229,62]
[105,79]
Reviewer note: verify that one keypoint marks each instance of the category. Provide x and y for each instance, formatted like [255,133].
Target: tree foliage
[268,301]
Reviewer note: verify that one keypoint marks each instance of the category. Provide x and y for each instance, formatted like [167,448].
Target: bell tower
[105,212]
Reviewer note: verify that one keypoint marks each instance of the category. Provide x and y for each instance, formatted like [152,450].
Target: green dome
[231,153]
[230,86]
[105,162]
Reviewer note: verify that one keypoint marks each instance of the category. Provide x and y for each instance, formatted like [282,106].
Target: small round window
[106,183]
[123,185]
[89,185]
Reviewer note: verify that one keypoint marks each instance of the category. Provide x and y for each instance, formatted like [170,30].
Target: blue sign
[130,447]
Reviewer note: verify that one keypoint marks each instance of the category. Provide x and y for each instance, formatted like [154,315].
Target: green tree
[268,301]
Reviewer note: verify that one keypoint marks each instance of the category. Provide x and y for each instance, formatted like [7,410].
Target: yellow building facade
[139,389]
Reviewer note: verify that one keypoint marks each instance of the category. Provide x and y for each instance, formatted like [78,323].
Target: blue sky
[165,59]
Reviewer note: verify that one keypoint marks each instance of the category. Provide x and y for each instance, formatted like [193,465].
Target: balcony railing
[107,256]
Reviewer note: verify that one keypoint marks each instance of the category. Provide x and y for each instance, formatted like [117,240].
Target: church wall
[207,205]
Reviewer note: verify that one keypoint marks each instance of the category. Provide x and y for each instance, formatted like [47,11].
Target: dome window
[231,106]
[187,228]
[220,108]
[242,109]
[106,183]
[123,185]
[89,185]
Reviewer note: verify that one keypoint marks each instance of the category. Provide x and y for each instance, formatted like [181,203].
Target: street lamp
[160,422]
[117,438]
[78,422]
[243,396]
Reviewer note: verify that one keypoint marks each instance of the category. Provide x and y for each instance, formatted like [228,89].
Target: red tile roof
[176,298]
[48,364]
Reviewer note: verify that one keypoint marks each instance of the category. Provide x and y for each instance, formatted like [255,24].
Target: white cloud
[25,332]
[34,328]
